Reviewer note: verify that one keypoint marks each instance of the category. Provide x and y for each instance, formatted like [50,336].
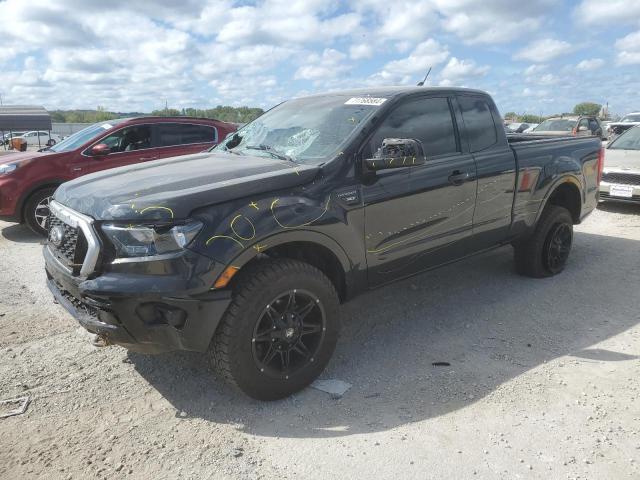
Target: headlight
[146,241]
[7,168]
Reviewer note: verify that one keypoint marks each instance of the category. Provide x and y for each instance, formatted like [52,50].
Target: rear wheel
[36,210]
[279,331]
[546,252]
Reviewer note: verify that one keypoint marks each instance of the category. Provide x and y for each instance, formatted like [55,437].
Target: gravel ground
[543,381]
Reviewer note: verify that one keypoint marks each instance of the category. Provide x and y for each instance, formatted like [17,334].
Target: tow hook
[100,341]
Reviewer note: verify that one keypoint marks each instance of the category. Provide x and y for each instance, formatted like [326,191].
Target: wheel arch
[24,198]
[311,247]
[566,192]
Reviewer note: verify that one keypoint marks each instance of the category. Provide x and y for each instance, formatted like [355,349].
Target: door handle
[458,178]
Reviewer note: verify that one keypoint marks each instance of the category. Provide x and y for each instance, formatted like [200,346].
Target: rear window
[184,133]
[478,122]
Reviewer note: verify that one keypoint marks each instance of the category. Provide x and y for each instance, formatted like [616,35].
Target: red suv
[27,180]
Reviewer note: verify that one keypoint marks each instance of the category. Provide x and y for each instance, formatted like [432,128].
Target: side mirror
[100,150]
[397,153]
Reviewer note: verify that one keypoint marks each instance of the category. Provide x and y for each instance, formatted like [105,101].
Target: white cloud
[629,49]
[328,65]
[456,70]
[427,54]
[591,64]
[601,13]
[543,50]
[491,21]
[360,51]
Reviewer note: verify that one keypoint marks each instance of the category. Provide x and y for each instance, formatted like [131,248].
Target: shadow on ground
[489,324]
[20,233]
[619,207]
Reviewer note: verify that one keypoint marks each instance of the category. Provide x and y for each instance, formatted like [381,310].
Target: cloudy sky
[532,55]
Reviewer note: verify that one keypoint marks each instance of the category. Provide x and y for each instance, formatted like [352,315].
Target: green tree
[587,108]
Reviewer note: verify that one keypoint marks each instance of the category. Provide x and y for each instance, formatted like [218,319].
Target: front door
[421,216]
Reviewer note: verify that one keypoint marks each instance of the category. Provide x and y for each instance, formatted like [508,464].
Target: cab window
[478,122]
[428,120]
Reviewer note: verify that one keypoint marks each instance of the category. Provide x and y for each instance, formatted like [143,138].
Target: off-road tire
[230,352]
[531,254]
[29,212]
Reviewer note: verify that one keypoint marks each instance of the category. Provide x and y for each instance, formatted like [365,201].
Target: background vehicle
[27,180]
[570,125]
[621,176]
[531,127]
[628,121]
[6,137]
[517,127]
[40,138]
[246,251]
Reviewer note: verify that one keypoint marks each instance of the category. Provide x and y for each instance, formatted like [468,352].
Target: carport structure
[24,117]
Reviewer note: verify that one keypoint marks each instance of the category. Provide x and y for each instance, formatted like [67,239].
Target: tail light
[600,164]
[574,131]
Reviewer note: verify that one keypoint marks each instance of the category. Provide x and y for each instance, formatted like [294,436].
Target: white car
[621,173]
[46,139]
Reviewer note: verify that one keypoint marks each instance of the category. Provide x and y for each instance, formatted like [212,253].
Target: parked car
[40,138]
[517,127]
[531,127]
[628,121]
[246,251]
[7,136]
[621,176]
[27,180]
[570,125]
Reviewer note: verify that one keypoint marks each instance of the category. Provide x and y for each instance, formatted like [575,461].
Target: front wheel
[546,252]
[36,210]
[279,331]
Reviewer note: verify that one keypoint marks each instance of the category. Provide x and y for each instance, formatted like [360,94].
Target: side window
[584,123]
[478,122]
[425,119]
[128,139]
[593,124]
[170,134]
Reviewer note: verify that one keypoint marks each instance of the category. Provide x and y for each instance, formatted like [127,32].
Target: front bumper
[161,306]
[605,193]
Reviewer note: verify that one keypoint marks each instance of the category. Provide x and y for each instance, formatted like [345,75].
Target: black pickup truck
[245,251]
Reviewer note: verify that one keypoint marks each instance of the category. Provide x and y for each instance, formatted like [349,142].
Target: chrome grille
[621,178]
[66,251]
[79,248]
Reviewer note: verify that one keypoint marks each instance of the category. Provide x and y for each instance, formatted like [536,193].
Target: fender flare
[281,238]
[569,178]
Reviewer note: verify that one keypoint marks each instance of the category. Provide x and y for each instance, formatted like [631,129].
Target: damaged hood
[615,159]
[174,187]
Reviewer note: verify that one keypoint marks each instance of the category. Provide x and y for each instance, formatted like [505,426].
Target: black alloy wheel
[289,333]
[558,247]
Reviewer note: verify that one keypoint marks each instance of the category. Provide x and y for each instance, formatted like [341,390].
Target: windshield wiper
[270,150]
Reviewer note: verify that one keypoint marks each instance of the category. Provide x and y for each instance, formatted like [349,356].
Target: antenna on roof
[420,84]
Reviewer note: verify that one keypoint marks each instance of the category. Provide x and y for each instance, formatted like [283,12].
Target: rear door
[496,166]
[130,144]
[174,139]
[418,217]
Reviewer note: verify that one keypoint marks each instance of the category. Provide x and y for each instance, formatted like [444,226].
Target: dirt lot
[543,382]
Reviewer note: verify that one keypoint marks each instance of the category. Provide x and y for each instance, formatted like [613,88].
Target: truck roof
[389,92]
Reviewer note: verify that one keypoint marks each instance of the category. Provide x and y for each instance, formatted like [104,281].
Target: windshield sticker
[106,126]
[376,102]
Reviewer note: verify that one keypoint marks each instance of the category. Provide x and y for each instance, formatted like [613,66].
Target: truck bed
[551,157]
